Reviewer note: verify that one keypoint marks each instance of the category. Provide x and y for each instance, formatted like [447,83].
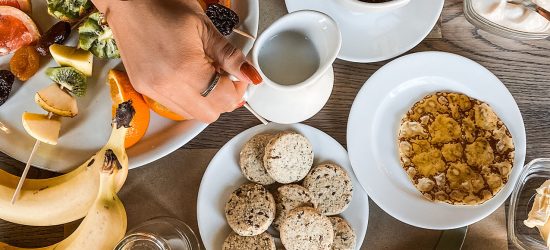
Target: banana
[66,198]
[105,223]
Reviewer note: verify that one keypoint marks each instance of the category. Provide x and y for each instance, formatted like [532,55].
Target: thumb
[229,58]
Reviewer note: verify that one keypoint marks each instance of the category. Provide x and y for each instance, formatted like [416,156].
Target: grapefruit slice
[17,30]
[24,5]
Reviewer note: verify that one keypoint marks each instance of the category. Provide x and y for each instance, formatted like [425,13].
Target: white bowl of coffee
[366,6]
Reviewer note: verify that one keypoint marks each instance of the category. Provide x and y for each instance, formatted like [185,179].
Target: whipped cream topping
[513,14]
[540,212]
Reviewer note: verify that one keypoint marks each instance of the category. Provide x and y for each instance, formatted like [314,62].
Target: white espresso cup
[278,42]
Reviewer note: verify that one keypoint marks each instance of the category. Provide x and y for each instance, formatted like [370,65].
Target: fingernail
[241,104]
[249,71]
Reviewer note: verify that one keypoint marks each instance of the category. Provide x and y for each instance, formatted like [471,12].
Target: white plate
[223,175]
[373,37]
[86,133]
[374,121]
[291,106]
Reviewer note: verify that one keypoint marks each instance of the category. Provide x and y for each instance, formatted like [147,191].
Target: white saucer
[291,106]
[374,121]
[373,37]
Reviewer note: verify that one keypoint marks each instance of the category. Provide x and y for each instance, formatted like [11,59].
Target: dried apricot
[25,63]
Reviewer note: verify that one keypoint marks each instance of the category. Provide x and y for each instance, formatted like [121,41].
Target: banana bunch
[62,199]
[105,223]
[90,190]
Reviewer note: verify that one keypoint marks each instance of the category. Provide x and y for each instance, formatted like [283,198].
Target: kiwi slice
[96,37]
[70,78]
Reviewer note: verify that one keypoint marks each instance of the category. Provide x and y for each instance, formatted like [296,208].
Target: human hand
[171,52]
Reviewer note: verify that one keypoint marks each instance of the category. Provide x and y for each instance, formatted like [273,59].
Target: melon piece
[54,99]
[17,30]
[79,59]
[41,127]
[24,5]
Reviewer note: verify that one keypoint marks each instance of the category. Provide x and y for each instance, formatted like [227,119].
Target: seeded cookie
[455,149]
[250,210]
[288,157]
[262,241]
[252,160]
[289,197]
[330,187]
[344,236]
[304,229]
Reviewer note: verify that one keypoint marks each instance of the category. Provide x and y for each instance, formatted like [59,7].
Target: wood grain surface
[523,66]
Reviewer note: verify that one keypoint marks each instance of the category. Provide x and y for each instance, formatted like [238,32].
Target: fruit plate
[83,135]
[374,121]
[223,175]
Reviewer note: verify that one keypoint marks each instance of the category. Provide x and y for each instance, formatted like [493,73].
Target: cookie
[455,149]
[250,210]
[304,229]
[251,160]
[344,236]
[262,241]
[288,157]
[330,187]
[289,197]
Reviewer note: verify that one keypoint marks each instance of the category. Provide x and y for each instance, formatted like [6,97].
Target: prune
[6,82]
[58,33]
[25,63]
[223,18]
[124,114]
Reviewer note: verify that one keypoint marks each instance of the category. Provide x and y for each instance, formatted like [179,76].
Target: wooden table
[523,66]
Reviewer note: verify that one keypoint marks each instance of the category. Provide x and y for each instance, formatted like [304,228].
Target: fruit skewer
[56,99]
[27,167]
[225,20]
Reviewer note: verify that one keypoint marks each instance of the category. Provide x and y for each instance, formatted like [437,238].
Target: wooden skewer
[242,33]
[24,175]
[27,167]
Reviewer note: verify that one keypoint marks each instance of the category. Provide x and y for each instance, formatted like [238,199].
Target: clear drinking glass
[161,233]
[532,176]
[481,22]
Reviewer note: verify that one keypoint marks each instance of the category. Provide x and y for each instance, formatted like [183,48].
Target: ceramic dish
[84,134]
[373,37]
[223,175]
[297,102]
[374,121]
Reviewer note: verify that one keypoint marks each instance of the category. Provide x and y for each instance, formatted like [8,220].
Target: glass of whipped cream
[516,19]
[529,211]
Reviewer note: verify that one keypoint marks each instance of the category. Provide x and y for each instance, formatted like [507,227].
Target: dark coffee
[374,1]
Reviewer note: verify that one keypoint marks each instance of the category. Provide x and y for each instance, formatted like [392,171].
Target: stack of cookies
[304,197]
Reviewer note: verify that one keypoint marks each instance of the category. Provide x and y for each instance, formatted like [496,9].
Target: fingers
[182,100]
[227,96]
[229,58]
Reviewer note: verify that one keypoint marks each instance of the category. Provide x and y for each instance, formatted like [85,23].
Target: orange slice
[17,30]
[162,111]
[204,3]
[24,5]
[121,91]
